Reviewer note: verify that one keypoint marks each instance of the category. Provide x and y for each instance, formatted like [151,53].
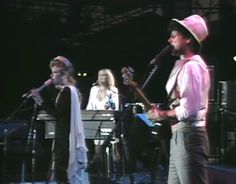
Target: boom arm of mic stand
[150,76]
[17,109]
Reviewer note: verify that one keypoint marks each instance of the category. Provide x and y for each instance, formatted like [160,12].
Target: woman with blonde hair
[104,95]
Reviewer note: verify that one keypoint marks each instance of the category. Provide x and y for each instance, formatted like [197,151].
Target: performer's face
[57,75]
[102,78]
[178,42]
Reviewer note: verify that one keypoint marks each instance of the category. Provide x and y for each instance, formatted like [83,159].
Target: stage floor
[218,174]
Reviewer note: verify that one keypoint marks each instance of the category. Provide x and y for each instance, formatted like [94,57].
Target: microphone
[45,84]
[95,83]
[159,56]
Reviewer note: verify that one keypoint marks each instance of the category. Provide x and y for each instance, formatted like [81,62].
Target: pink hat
[196,25]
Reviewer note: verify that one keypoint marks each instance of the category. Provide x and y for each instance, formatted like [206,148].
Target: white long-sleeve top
[96,104]
[191,82]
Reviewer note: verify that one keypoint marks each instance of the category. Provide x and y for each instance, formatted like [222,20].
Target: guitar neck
[143,98]
[127,74]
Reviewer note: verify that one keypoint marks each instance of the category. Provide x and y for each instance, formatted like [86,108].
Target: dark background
[33,32]
[96,34]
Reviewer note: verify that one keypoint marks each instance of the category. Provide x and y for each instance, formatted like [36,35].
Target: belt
[182,124]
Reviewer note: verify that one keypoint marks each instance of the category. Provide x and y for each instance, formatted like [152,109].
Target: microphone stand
[151,74]
[31,143]
[156,67]
[17,109]
[108,140]
[98,133]
[161,147]
[105,144]
[156,61]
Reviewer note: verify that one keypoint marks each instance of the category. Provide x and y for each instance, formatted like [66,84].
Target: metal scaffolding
[93,16]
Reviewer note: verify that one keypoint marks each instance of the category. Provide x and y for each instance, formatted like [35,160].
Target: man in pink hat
[188,88]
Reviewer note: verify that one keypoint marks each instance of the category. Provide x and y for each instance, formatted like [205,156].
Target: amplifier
[227,95]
